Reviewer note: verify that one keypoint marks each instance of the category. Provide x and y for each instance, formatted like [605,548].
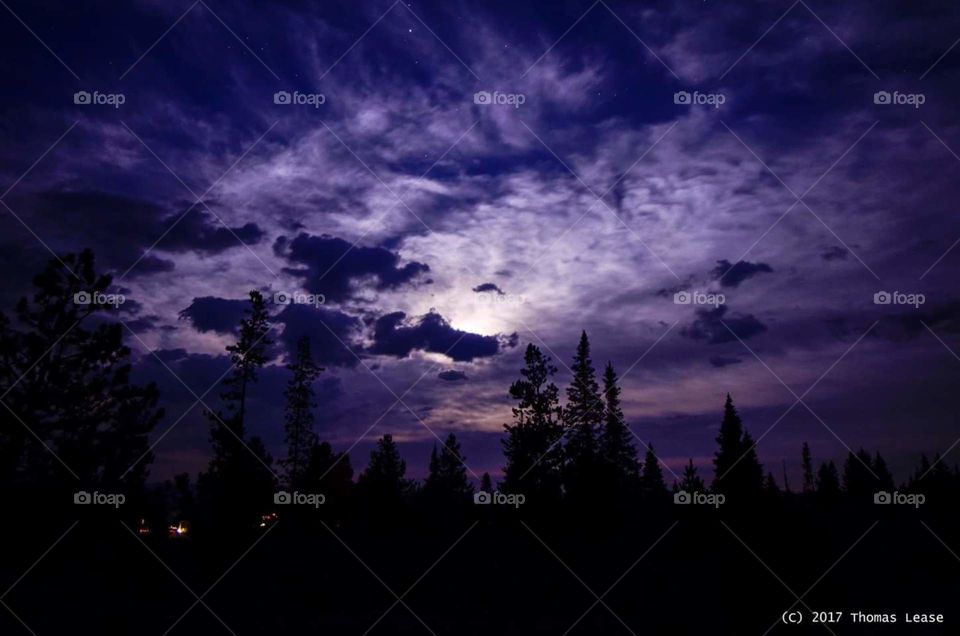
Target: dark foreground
[491,571]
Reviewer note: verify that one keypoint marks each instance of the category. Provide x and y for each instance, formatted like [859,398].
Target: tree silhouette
[66,374]
[828,481]
[690,481]
[239,481]
[737,469]
[858,479]
[617,452]
[299,416]
[809,485]
[884,478]
[652,477]
[328,473]
[486,484]
[447,480]
[583,419]
[384,481]
[532,446]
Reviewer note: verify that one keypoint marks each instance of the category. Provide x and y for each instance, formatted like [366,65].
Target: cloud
[452,376]
[332,333]
[732,275]
[721,361]
[333,267]
[487,287]
[219,315]
[712,325]
[430,333]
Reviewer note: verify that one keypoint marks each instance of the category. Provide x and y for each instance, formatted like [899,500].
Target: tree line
[70,411]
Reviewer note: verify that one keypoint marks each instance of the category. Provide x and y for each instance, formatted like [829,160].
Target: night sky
[482,175]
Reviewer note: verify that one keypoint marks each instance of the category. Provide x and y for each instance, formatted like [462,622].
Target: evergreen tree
[532,446]
[328,473]
[884,478]
[299,413]
[770,485]
[809,485]
[652,477]
[617,452]
[65,373]
[690,480]
[238,484]
[737,468]
[486,484]
[384,480]
[447,480]
[828,480]
[858,479]
[583,417]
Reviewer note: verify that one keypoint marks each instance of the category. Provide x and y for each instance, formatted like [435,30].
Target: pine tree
[65,373]
[583,417]
[652,477]
[690,481]
[770,485]
[808,482]
[384,480]
[486,484]
[737,468]
[238,483]
[532,446]
[447,480]
[858,479]
[884,478]
[328,473]
[828,480]
[617,452]
[299,413]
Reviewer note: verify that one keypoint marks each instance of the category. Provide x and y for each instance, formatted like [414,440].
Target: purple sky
[445,234]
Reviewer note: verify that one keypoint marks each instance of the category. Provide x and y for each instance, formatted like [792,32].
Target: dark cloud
[732,275]
[430,333]
[834,253]
[334,267]
[452,376]
[909,323]
[487,287]
[715,327]
[221,315]
[721,361]
[331,332]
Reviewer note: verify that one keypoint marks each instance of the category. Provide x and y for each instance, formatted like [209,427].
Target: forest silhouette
[582,533]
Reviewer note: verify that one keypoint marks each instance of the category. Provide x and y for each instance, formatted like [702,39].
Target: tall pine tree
[617,452]
[809,485]
[532,446]
[583,419]
[447,480]
[737,469]
[239,482]
[652,478]
[299,416]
